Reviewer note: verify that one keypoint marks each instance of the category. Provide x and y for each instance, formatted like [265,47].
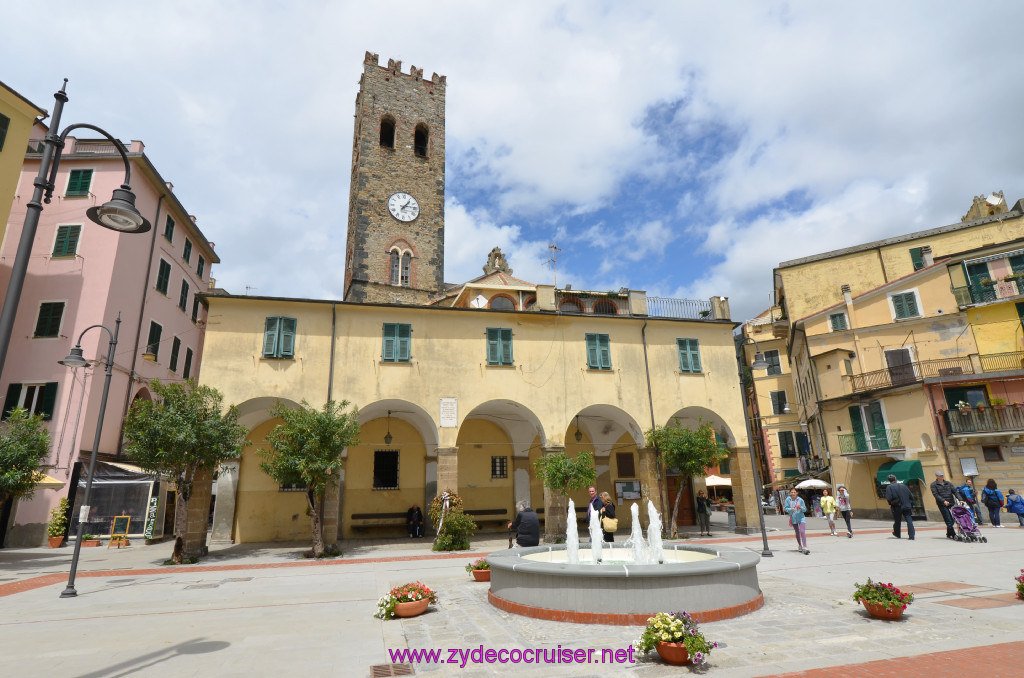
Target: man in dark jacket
[945,496]
[414,519]
[526,525]
[899,498]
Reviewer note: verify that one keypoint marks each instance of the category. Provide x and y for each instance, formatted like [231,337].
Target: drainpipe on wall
[330,368]
[662,487]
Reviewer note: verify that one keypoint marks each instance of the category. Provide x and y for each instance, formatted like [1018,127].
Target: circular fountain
[624,584]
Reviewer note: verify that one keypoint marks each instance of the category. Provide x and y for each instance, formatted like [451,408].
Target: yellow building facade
[17,115]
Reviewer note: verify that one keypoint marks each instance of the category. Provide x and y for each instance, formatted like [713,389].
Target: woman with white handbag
[609,523]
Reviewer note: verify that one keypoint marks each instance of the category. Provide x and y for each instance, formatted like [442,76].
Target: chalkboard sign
[119,530]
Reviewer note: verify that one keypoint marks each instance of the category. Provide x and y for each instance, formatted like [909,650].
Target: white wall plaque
[449,412]
[969,466]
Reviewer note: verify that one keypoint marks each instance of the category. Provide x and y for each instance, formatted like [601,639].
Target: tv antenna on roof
[249,289]
[555,249]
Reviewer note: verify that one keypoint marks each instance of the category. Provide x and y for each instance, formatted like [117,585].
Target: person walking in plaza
[1015,505]
[966,492]
[608,518]
[595,502]
[526,525]
[845,508]
[945,496]
[992,498]
[900,500]
[703,513]
[796,508]
[828,509]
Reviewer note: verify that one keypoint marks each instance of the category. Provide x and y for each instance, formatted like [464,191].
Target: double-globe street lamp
[759,364]
[76,359]
[118,214]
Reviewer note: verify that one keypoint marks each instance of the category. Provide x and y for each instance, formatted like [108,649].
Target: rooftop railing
[1002,362]
[910,373]
[689,309]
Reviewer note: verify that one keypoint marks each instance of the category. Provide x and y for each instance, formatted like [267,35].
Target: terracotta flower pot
[90,542]
[411,609]
[54,542]
[482,575]
[673,653]
[878,611]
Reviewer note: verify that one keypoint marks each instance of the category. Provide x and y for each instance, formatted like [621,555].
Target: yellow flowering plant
[676,627]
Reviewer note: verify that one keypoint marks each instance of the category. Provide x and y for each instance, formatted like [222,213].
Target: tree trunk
[314,523]
[675,510]
[181,520]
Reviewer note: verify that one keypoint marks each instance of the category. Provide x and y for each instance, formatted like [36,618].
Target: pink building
[82,274]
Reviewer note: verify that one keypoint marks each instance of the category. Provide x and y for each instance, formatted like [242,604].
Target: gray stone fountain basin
[722,586]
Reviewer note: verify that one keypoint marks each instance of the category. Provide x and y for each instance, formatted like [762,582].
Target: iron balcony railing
[876,440]
[910,373]
[689,309]
[978,293]
[1002,362]
[985,420]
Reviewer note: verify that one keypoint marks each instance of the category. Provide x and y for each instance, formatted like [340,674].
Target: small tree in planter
[24,443]
[690,451]
[58,525]
[454,527]
[560,473]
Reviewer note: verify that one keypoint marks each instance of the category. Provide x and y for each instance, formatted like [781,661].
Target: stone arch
[505,303]
[605,307]
[255,411]
[691,416]
[387,131]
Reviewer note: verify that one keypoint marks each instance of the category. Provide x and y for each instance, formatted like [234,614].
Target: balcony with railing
[983,293]
[876,440]
[1002,362]
[995,419]
[689,309]
[910,373]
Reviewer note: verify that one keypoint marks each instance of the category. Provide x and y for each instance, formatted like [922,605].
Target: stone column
[521,479]
[745,496]
[332,511]
[429,492]
[648,475]
[224,509]
[198,516]
[447,469]
[555,506]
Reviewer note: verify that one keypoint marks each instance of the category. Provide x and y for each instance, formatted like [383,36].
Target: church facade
[464,386]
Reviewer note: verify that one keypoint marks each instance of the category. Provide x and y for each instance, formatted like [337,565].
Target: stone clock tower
[395,245]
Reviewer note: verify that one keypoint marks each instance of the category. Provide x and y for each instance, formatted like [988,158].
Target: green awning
[791,472]
[903,470]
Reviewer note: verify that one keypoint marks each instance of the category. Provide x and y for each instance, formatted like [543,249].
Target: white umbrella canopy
[812,484]
[717,481]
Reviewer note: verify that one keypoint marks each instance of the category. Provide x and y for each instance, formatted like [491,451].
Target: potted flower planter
[89,540]
[411,609]
[879,611]
[54,542]
[482,575]
[673,653]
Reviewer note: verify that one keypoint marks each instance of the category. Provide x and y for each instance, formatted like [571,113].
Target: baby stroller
[966,528]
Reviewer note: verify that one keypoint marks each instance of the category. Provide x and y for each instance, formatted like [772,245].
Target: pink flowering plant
[406,593]
[676,627]
[1020,584]
[479,564]
[883,594]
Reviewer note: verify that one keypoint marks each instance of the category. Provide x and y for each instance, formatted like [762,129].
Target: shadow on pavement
[130,666]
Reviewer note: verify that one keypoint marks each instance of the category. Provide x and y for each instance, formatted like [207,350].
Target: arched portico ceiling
[255,411]
[605,424]
[518,422]
[143,394]
[412,414]
[692,416]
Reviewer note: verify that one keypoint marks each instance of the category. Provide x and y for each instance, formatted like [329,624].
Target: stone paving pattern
[259,610]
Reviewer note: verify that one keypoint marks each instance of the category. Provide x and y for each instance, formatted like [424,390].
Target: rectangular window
[837,321]
[723,467]
[905,305]
[183,296]
[186,370]
[397,343]
[195,309]
[200,267]
[163,277]
[599,352]
[48,321]
[169,229]
[499,346]
[774,362]
[385,470]
[279,338]
[66,244]
[689,355]
[499,467]
[78,183]
[778,402]
[786,444]
[916,258]
[186,253]
[292,487]
[36,398]
[847,367]
[992,452]
[803,444]
[624,462]
[153,340]
[175,348]
[4,124]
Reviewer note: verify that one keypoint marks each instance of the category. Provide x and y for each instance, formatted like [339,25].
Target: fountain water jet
[636,537]
[572,536]
[596,537]
[654,547]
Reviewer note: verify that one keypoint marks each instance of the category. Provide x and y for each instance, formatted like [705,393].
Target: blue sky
[683,148]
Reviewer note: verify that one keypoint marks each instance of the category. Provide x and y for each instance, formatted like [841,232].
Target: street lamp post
[759,364]
[118,214]
[76,359]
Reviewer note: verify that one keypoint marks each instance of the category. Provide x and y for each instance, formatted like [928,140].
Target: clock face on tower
[403,207]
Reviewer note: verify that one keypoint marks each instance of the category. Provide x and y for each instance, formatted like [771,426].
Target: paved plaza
[259,609]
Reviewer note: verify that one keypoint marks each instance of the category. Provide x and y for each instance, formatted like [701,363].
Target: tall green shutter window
[837,321]
[48,321]
[186,370]
[5,122]
[169,229]
[175,349]
[36,398]
[499,346]
[195,309]
[163,277]
[916,258]
[396,344]
[183,297]
[186,254]
[279,337]
[778,401]
[200,267]
[774,361]
[689,355]
[786,444]
[78,183]
[153,341]
[599,352]
[905,305]
[66,243]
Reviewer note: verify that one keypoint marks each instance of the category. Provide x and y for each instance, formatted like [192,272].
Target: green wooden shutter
[493,348]
[186,253]
[404,343]
[506,347]
[684,356]
[66,242]
[899,306]
[153,344]
[593,360]
[13,395]
[605,350]
[390,340]
[911,302]
[288,337]
[916,258]
[200,267]
[857,424]
[163,277]
[175,348]
[4,124]
[49,400]
[183,297]
[169,229]
[187,369]
[270,332]
[694,349]
[48,321]
[78,183]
